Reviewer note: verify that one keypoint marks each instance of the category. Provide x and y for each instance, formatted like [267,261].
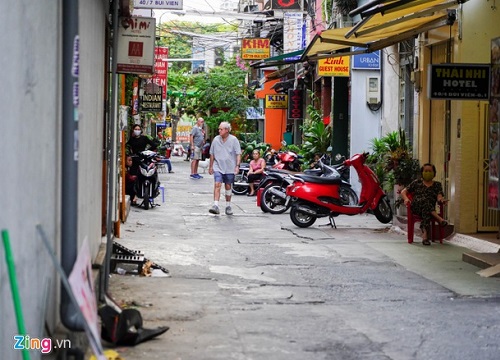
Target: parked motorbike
[313,197]
[147,184]
[285,161]
[273,199]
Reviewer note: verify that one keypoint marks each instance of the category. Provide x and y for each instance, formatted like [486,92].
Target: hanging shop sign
[459,81]
[369,61]
[254,113]
[161,68]
[293,36]
[136,43]
[335,66]
[285,4]
[295,104]
[158,4]
[151,98]
[276,101]
[255,48]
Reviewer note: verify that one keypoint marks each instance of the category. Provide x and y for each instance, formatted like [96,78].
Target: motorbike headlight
[151,172]
[144,171]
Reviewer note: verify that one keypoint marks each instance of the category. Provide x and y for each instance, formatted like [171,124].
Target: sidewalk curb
[462,240]
[473,243]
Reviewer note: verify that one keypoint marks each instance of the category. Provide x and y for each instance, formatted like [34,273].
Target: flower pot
[401,209]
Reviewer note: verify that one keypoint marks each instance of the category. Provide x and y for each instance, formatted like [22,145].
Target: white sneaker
[214,210]
[229,211]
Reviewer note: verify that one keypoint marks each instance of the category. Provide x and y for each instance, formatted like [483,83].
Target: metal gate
[487,217]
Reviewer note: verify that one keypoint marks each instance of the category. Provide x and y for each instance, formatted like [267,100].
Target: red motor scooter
[313,197]
[287,160]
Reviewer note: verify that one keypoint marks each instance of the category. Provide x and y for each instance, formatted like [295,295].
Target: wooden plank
[489,272]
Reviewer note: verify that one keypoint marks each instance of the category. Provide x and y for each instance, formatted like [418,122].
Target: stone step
[481,260]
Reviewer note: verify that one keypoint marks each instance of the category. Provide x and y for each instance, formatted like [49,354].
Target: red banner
[161,69]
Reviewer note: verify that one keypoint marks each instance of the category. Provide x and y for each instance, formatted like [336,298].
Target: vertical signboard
[161,68]
[295,104]
[136,43]
[493,118]
[292,31]
[198,65]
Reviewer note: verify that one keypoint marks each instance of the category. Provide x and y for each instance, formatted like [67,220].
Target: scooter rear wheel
[301,218]
[240,189]
[348,196]
[383,211]
[272,203]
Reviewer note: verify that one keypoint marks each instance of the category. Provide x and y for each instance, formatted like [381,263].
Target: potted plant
[392,158]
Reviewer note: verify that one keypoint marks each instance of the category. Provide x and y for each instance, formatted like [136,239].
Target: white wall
[31,153]
[365,123]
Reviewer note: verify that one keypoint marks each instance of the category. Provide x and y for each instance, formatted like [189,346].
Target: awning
[288,58]
[280,73]
[382,28]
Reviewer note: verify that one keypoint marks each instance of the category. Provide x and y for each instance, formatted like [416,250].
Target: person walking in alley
[196,141]
[225,158]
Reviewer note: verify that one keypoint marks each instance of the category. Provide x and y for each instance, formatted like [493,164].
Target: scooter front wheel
[145,199]
[383,211]
[301,217]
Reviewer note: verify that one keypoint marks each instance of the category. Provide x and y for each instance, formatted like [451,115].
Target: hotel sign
[459,82]
[334,66]
[255,48]
[276,101]
[136,44]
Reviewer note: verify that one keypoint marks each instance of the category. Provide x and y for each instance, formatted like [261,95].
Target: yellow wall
[471,34]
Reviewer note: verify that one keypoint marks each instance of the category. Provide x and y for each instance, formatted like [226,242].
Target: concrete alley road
[255,286]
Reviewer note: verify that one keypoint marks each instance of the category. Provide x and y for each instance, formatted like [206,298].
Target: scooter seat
[319,179]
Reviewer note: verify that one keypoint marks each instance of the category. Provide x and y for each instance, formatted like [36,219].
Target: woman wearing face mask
[425,193]
[138,142]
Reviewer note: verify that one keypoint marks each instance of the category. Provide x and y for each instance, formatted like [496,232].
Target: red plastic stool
[412,219]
